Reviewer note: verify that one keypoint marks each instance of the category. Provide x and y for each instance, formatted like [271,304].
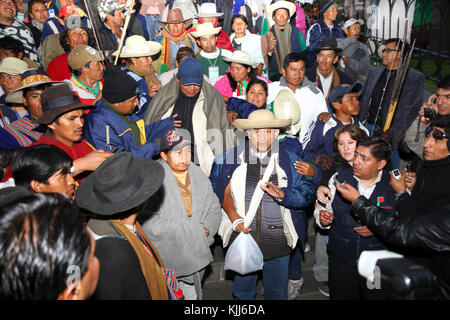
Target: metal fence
[432,39]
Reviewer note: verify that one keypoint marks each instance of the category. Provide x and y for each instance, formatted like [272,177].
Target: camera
[429,113]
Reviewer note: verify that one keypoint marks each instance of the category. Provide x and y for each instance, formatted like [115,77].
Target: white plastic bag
[244,255]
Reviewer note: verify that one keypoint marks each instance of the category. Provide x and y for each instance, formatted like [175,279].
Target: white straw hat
[137,46]
[281,5]
[241,57]
[208,10]
[261,119]
[205,29]
[285,106]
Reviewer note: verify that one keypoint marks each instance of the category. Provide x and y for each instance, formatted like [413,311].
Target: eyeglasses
[437,134]
[389,50]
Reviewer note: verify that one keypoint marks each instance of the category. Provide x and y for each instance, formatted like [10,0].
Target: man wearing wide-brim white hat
[287,38]
[139,65]
[263,195]
[207,12]
[211,57]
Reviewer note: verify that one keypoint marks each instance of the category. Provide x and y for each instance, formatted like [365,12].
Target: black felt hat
[120,183]
[329,44]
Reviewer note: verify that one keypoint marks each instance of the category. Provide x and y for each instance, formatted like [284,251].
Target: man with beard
[63,114]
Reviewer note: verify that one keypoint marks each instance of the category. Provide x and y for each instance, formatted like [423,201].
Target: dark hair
[184,52]
[444,83]
[137,5]
[39,163]
[64,36]
[77,72]
[42,236]
[379,148]
[251,75]
[397,41]
[261,82]
[30,6]
[9,43]
[294,57]
[355,132]
[42,86]
[6,159]
[442,121]
[240,16]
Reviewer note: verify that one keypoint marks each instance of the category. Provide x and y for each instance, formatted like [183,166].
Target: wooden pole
[124,31]
[275,47]
[95,28]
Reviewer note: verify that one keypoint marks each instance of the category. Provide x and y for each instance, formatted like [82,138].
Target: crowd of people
[136,134]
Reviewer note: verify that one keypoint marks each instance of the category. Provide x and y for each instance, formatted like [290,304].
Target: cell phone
[396,174]
[433,101]
[339,181]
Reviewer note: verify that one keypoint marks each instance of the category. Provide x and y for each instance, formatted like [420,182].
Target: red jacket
[58,68]
[78,150]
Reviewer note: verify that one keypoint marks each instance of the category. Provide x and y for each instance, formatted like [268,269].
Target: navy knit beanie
[118,86]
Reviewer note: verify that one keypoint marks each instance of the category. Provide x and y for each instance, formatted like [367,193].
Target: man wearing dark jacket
[324,74]
[348,237]
[374,103]
[423,221]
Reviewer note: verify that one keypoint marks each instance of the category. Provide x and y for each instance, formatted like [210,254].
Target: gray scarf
[283,40]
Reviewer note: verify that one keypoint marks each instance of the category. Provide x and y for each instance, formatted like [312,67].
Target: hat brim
[245,124]
[187,22]
[49,116]
[252,64]
[281,5]
[335,49]
[155,48]
[16,95]
[152,174]
[209,15]
[214,31]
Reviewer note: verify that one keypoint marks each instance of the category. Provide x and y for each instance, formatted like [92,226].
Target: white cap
[352,21]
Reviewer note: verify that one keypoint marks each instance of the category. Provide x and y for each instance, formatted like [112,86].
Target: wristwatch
[72,171]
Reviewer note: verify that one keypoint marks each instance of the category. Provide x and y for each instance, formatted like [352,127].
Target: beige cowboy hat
[261,119]
[205,29]
[289,6]
[174,16]
[137,46]
[285,106]
[241,57]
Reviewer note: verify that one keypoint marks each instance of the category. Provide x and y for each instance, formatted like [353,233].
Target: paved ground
[218,282]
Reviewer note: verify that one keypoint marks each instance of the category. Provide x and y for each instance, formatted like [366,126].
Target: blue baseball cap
[342,90]
[190,71]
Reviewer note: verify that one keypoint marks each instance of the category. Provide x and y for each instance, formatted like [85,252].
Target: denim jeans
[295,265]
[152,25]
[275,278]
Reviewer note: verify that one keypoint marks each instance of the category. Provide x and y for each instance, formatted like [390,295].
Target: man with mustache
[63,114]
[325,75]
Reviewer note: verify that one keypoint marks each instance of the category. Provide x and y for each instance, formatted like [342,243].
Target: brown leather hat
[58,100]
